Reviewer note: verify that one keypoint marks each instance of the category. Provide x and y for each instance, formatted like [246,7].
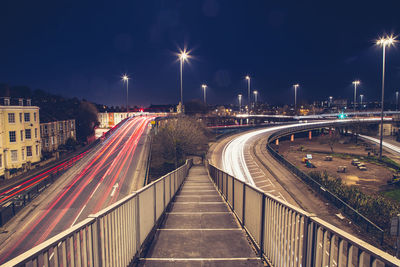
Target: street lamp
[248,89]
[295,97]
[183,56]
[397,100]
[125,78]
[361,99]
[240,102]
[255,96]
[330,101]
[383,42]
[355,95]
[204,86]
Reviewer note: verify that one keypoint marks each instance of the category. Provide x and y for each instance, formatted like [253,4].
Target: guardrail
[288,236]
[356,217]
[112,237]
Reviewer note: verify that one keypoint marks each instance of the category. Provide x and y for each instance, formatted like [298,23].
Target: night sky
[81,48]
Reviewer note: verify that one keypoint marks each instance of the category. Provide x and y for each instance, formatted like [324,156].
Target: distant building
[56,133]
[19,134]
[110,119]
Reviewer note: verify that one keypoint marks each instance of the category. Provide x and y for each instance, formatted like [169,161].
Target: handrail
[114,236]
[333,198]
[289,236]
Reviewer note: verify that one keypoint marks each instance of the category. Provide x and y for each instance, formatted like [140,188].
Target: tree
[86,120]
[334,138]
[176,139]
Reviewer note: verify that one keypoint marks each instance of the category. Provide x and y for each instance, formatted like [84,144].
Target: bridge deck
[200,230]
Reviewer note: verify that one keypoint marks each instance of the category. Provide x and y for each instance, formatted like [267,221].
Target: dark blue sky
[80,48]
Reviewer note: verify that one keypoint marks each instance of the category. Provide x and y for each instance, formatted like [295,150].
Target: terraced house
[56,133]
[19,136]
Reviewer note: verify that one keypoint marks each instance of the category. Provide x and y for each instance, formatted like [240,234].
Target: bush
[375,207]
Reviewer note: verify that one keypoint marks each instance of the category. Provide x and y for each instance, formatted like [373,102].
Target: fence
[288,236]
[113,236]
[357,217]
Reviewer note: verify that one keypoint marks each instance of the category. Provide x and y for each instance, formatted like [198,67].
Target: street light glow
[183,56]
[125,77]
[247,77]
[356,82]
[386,41]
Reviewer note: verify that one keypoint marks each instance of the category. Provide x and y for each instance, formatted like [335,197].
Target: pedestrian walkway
[200,230]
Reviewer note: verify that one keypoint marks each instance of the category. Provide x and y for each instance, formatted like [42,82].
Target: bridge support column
[309,135]
[292,138]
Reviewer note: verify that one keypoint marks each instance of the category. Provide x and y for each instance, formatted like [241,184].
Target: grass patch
[393,194]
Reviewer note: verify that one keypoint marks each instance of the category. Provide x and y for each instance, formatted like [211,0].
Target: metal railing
[356,216]
[288,236]
[112,237]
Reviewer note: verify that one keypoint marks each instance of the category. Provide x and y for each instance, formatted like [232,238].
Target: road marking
[114,188]
[78,215]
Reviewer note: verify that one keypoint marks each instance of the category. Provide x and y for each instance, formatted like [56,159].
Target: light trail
[233,157]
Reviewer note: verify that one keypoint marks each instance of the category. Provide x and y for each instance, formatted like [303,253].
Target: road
[108,173]
[245,157]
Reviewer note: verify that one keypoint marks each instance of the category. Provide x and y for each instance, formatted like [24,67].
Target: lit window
[11,118]
[13,138]
[27,117]
[29,151]
[14,155]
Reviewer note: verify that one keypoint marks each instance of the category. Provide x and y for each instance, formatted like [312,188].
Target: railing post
[262,225]
[233,193]
[244,203]
[96,236]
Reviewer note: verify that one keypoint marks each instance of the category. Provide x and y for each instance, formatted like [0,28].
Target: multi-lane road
[104,175]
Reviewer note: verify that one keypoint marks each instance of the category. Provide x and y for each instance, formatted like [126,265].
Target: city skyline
[83,51]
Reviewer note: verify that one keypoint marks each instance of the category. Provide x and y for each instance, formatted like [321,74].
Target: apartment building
[56,133]
[19,134]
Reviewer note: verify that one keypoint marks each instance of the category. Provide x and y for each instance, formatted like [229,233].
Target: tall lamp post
[397,100]
[248,90]
[255,96]
[125,78]
[355,95]
[183,56]
[383,42]
[295,97]
[361,99]
[240,102]
[204,86]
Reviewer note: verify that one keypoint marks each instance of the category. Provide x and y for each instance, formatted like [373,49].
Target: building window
[29,151]
[14,155]
[37,150]
[6,101]
[27,117]
[13,138]
[46,142]
[23,154]
[11,118]
[28,134]
[61,127]
[52,140]
[20,117]
[34,116]
[22,135]
[1,161]
[35,132]
[72,124]
[45,129]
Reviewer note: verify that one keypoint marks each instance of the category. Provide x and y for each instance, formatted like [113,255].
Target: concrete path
[200,230]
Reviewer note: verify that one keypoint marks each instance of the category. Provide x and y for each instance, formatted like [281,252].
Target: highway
[245,157]
[104,175]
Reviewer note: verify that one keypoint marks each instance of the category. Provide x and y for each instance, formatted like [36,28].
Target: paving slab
[200,230]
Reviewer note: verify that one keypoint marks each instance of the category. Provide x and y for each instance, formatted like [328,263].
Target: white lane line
[79,214]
